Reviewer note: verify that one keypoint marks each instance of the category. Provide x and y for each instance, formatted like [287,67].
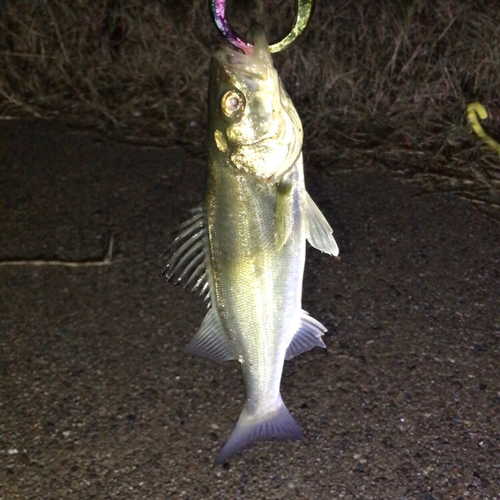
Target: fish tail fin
[274,425]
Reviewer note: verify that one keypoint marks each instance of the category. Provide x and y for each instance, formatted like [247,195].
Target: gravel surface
[99,401]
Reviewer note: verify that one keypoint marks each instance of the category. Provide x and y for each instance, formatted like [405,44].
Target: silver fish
[244,249]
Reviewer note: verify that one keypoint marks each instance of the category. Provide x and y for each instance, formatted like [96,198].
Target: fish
[244,248]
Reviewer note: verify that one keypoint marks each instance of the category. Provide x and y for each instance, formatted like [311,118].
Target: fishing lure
[475,110]
[218,12]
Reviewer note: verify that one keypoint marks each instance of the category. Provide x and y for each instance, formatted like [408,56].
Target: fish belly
[257,284]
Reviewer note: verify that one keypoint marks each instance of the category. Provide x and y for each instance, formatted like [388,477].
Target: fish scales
[257,286]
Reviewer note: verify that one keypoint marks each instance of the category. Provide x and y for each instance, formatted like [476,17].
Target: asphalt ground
[99,400]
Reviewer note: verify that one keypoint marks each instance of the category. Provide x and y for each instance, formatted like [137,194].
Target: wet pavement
[99,401]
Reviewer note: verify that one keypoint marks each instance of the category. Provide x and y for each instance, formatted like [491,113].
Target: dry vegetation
[377,84]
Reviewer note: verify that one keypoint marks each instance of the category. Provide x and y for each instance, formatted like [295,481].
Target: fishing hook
[475,110]
[218,12]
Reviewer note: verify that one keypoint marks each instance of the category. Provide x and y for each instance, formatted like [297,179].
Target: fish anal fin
[318,231]
[307,336]
[210,341]
[274,425]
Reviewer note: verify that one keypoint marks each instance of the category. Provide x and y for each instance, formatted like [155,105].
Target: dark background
[377,84]
[98,399]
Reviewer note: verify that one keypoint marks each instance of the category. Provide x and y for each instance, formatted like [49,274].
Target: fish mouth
[254,63]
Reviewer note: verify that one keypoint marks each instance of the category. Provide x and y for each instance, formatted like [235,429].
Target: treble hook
[218,12]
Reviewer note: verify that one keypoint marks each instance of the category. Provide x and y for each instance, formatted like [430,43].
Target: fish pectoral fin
[186,256]
[274,425]
[307,336]
[318,231]
[283,216]
[210,341]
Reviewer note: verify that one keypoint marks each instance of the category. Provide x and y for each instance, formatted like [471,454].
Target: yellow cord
[475,110]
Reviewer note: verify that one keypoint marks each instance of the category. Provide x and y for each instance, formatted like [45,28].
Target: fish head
[252,120]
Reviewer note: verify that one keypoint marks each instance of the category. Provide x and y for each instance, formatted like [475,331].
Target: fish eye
[232,102]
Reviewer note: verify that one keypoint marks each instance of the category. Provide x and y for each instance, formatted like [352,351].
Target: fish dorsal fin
[307,336]
[210,340]
[187,264]
[186,256]
[318,231]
